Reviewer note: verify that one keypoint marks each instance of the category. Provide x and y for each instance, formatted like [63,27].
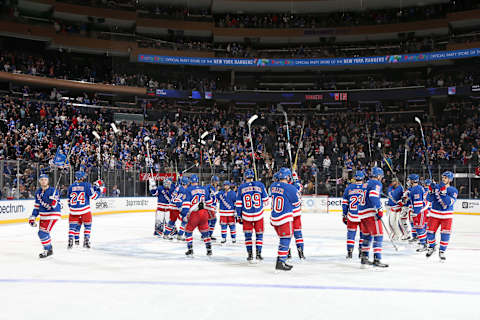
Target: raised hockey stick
[203,142]
[425,146]
[249,123]
[289,146]
[190,168]
[147,139]
[99,156]
[300,145]
[391,170]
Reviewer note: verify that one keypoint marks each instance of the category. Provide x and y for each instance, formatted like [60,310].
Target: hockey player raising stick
[352,197]
[285,201]
[195,209]
[226,199]
[79,195]
[251,200]
[47,206]
[163,194]
[370,213]
[443,197]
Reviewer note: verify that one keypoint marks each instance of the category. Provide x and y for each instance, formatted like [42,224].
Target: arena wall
[18,211]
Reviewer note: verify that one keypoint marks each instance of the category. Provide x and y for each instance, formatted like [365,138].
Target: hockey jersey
[47,204]
[226,202]
[79,196]
[251,200]
[352,197]
[416,199]
[177,197]
[163,197]
[285,201]
[442,198]
[213,195]
[395,195]
[369,207]
[193,196]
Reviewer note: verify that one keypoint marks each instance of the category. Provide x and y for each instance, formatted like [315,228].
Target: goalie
[394,210]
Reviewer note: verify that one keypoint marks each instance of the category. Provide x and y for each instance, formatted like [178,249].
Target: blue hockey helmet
[284,173]
[448,174]
[184,180]
[275,176]
[215,179]
[376,171]
[43,176]
[249,174]
[359,175]
[80,175]
[227,183]
[413,177]
[194,178]
[427,182]
[167,183]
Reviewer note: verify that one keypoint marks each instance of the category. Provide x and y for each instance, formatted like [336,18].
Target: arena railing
[20,178]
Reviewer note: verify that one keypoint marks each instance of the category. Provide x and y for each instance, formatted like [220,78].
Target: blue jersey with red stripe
[213,194]
[395,194]
[226,200]
[79,195]
[416,199]
[251,200]
[443,199]
[177,197]
[193,196]
[352,197]
[164,196]
[285,202]
[371,203]
[47,204]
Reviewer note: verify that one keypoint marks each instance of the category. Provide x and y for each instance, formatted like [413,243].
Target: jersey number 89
[252,200]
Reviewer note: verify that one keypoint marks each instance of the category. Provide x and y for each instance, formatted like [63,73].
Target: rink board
[17,211]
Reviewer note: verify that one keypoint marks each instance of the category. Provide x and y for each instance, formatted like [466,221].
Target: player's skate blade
[70,244]
[258,256]
[223,241]
[301,255]
[282,266]
[46,254]
[441,254]
[250,258]
[377,263]
[86,243]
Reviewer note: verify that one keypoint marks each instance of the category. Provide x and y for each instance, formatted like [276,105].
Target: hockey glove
[31,221]
[201,206]
[239,220]
[344,219]
[379,214]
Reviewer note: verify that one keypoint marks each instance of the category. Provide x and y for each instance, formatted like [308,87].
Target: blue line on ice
[240,285]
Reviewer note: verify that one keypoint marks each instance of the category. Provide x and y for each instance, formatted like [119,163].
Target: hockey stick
[300,145]
[203,142]
[389,235]
[391,170]
[189,168]
[425,146]
[249,122]
[368,139]
[99,156]
[147,139]
[289,146]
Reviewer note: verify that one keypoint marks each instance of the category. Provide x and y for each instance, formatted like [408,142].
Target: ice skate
[259,256]
[86,243]
[379,264]
[282,266]
[46,254]
[70,244]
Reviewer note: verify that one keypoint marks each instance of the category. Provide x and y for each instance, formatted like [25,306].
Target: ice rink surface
[129,274]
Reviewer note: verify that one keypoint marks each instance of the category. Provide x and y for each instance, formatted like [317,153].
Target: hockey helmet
[284,173]
[43,176]
[249,174]
[448,174]
[226,183]
[359,175]
[376,172]
[413,177]
[80,175]
[184,180]
[194,178]
[167,183]
[215,179]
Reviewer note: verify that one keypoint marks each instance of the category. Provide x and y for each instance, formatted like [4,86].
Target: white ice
[129,274]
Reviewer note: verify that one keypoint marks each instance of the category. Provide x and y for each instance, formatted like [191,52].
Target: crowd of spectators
[341,18]
[33,128]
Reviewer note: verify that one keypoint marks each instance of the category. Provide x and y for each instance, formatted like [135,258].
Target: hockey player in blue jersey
[195,210]
[398,228]
[285,200]
[443,197]
[47,206]
[163,194]
[251,201]
[297,216]
[370,213]
[213,190]
[226,200]
[416,199]
[352,197]
[79,195]
[178,195]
